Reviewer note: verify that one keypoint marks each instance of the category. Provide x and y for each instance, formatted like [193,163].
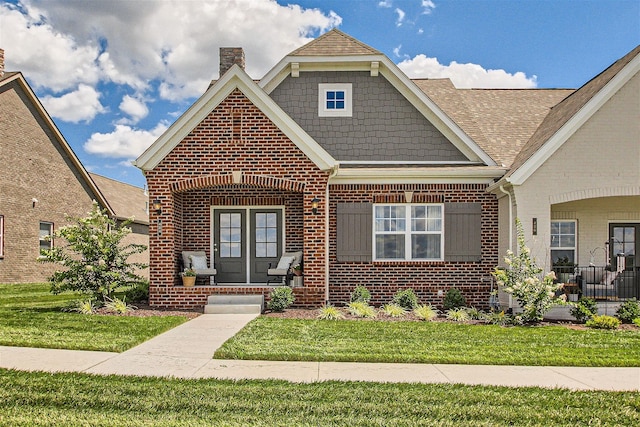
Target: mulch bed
[143,310]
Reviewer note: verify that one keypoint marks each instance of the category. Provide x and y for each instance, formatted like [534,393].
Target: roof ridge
[334,42]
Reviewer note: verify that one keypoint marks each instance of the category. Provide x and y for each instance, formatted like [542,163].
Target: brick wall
[236,154]
[384,279]
[32,165]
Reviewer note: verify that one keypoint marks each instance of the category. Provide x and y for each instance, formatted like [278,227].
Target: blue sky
[115,74]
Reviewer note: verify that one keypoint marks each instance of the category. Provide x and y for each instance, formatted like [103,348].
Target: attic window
[334,100]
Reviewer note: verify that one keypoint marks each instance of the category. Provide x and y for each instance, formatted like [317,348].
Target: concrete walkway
[186,352]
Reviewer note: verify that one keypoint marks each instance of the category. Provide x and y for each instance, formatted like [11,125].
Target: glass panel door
[230,244]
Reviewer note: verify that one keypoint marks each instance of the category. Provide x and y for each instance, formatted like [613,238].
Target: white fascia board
[102,200]
[234,78]
[574,123]
[480,175]
[398,79]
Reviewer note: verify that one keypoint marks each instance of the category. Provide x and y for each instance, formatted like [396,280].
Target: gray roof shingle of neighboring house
[126,200]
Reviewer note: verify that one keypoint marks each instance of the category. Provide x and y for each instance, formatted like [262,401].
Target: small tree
[94,258]
[522,279]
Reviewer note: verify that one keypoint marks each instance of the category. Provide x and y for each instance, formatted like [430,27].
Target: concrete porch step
[234,304]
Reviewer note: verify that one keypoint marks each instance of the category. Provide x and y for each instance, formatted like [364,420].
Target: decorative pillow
[285,263]
[198,262]
[609,277]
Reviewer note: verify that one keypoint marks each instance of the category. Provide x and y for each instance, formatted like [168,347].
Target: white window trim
[1,236]
[407,233]
[51,235]
[566,248]
[323,88]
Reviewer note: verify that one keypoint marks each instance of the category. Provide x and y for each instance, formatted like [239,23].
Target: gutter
[333,173]
[508,193]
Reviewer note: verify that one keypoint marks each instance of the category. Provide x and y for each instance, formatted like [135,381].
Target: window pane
[272,235]
[419,224]
[225,250]
[434,225]
[434,211]
[235,250]
[339,105]
[235,220]
[555,227]
[272,220]
[261,235]
[425,246]
[331,105]
[261,220]
[340,95]
[390,246]
[261,250]
[272,250]
[331,95]
[567,241]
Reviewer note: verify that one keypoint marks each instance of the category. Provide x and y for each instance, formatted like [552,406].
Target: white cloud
[124,141]
[401,16]
[385,3]
[81,105]
[465,75]
[134,43]
[136,108]
[396,51]
[427,7]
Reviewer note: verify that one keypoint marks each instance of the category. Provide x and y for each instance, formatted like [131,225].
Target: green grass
[41,399]
[30,316]
[268,338]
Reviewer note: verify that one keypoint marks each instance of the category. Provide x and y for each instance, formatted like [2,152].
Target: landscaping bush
[280,299]
[628,310]
[81,306]
[454,299]
[425,312]
[475,314]
[361,309]
[636,321]
[393,310]
[603,322]
[118,306]
[330,312]
[499,318]
[584,309]
[406,299]
[360,294]
[458,315]
[522,279]
[138,293]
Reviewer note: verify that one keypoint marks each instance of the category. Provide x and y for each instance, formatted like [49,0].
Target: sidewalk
[186,352]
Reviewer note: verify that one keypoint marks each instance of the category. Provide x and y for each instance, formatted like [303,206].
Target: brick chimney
[1,62]
[230,56]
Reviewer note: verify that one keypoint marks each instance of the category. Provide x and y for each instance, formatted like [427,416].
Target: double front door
[624,247]
[245,241]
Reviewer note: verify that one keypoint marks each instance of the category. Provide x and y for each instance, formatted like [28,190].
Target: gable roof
[351,55]
[17,77]
[235,78]
[127,201]
[569,115]
[501,121]
[334,43]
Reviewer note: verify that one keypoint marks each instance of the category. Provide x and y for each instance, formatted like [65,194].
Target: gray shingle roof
[126,200]
[334,43]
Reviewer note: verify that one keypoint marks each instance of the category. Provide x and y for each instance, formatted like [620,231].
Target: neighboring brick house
[379,179]
[41,182]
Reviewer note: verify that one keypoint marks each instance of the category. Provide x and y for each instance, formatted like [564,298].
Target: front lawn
[42,399]
[30,316]
[268,338]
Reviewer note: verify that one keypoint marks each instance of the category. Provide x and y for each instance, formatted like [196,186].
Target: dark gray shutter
[462,236]
[354,228]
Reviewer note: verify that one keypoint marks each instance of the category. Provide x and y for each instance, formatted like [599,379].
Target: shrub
[603,322]
[522,279]
[406,299]
[361,309]
[393,310]
[138,293]
[280,299]
[118,306]
[636,321]
[454,299]
[425,312]
[330,312]
[458,315]
[499,318]
[360,294]
[584,309]
[82,306]
[628,310]
[94,260]
[475,314]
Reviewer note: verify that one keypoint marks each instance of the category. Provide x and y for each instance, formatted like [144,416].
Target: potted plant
[297,269]
[188,277]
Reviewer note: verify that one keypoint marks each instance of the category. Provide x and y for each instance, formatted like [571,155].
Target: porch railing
[598,282]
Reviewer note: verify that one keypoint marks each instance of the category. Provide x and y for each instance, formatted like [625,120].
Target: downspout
[510,217]
[333,173]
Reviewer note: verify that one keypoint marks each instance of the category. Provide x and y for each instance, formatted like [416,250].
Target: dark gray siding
[384,125]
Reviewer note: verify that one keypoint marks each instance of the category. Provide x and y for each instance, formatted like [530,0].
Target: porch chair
[197,260]
[283,271]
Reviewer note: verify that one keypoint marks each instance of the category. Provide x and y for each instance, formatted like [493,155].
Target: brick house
[42,181]
[378,179]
